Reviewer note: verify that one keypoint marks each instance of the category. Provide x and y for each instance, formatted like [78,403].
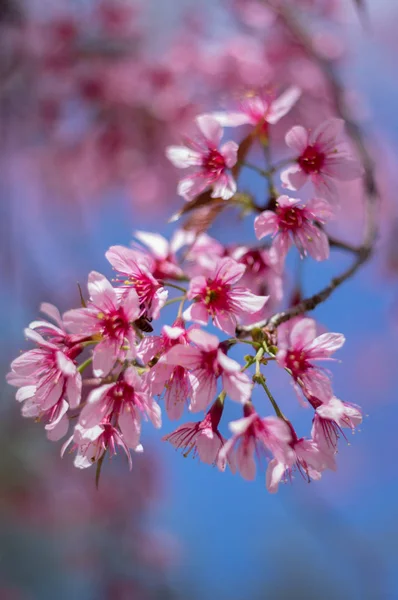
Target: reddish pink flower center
[311,160]
[214,162]
[114,324]
[290,218]
[216,297]
[254,262]
[297,362]
[210,362]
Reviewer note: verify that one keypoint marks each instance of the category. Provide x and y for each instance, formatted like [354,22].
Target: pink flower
[256,109]
[163,259]
[91,444]
[295,223]
[321,158]
[136,270]
[206,363]
[49,383]
[298,347]
[217,297]
[212,162]
[173,380]
[122,403]
[263,272]
[254,435]
[309,458]
[203,437]
[330,418]
[109,316]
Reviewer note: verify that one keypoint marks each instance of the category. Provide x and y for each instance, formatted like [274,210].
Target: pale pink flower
[163,254]
[48,382]
[90,444]
[263,273]
[109,316]
[298,347]
[260,109]
[173,380]
[123,403]
[255,436]
[293,222]
[309,458]
[136,270]
[330,418]
[206,363]
[211,161]
[202,438]
[321,158]
[218,298]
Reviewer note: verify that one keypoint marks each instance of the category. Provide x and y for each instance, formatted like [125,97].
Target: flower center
[290,218]
[214,162]
[254,262]
[311,161]
[297,362]
[114,324]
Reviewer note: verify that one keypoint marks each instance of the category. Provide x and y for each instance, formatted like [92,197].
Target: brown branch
[364,252]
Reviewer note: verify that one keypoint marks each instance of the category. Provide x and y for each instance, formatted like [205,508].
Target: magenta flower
[173,380]
[309,458]
[162,254]
[91,444]
[202,437]
[206,363]
[217,297]
[253,435]
[260,109]
[321,158]
[330,418]
[48,381]
[211,161]
[123,403]
[298,347]
[136,269]
[108,316]
[295,223]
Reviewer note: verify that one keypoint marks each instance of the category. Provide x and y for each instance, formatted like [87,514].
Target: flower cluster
[234,290]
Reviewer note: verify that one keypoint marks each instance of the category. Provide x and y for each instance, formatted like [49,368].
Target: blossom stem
[275,406]
[173,300]
[176,287]
[85,364]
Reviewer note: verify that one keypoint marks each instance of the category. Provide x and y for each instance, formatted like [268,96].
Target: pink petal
[210,128]
[326,135]
[228,271]
[229,150]
[246,302]
[225,321]
[224,187]
[237,386]
[245,462]
[204,389]
[104,357]
[324,345]
[233,119]
[282,105]
[182,355]
[265,224]
[297,139]
[293,177]
[183,157]
[205,341]
[130,426]
[191,186]
[274,475]
[74,390]
[52,311]
[302,333]
[342,168]
[197,312]
[208,448]
[101,291]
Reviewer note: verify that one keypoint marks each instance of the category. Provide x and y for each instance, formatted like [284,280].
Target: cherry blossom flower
[330,418]
[217,297]
[136,269]
[49,383]
[206,362]
[109,316]
[293,222]
[123,403]
[298,347]
[164,262]
[253,435]
[173,380]
[321,158]
[202,438]
[309,458]
[263,273]
[90,444]
[212,162]
[260,109]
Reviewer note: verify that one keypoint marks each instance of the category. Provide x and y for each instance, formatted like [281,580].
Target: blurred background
[91,93]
